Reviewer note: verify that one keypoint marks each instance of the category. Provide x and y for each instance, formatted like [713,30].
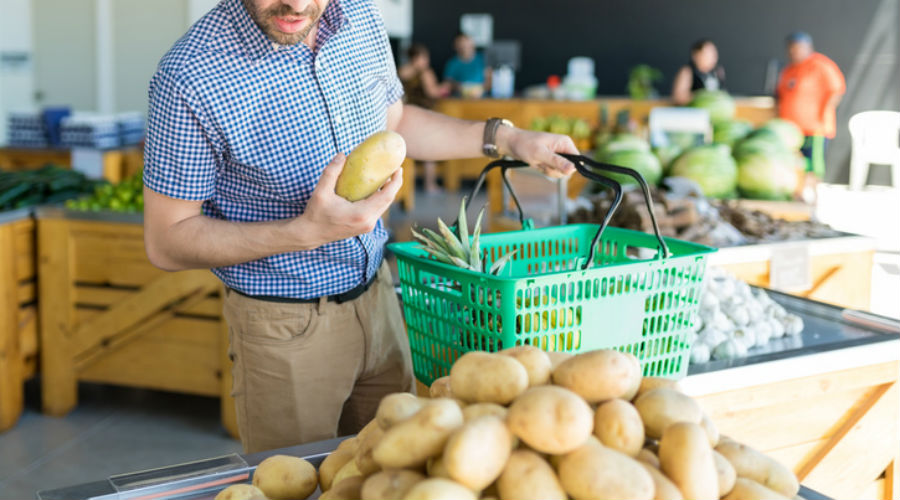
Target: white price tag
[790,268]
[88,161]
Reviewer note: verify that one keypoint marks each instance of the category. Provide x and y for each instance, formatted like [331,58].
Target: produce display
[512,425]
[759,164]
[576,128]
[46,185]
[718,223]
[734,319]
[126,196]
[370,165]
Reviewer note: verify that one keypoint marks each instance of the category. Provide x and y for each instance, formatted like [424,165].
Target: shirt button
[339,119]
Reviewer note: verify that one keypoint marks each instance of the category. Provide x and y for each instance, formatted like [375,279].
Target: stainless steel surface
[190,481]
[825,328]
[55,212]
[15,215]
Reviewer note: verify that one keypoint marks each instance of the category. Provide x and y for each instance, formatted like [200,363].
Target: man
[466,71]
[809,90]
[245,111]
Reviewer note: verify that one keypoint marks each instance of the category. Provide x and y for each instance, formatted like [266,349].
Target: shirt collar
[259,45]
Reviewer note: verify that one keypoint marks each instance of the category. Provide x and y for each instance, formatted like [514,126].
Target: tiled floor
[116,430]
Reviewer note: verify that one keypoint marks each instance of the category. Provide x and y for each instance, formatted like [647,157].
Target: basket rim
[412,250]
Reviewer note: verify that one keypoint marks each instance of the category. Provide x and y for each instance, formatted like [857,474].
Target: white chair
[689,120]
[876,139]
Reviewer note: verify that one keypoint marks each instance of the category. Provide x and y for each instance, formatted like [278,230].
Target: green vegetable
[729,132]
[787,132]
[718,103]
[127,196]
[622,142]
[645,162]
[767,176]
[666,155]
[712,167]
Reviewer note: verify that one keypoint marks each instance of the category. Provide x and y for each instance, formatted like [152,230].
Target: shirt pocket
[371,104]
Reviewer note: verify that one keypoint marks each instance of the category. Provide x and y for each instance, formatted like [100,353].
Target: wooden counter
[756,110]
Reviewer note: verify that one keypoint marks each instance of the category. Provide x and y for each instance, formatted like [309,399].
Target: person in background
[421,88]
[703,72]
[809,90]
[466,71]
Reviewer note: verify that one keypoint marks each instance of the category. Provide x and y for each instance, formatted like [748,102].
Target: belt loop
[323,303]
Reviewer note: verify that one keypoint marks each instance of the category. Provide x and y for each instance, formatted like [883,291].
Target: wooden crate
[837,430]
[18,316]
[109,316]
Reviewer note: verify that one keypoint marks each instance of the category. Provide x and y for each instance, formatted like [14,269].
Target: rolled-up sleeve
[179,158]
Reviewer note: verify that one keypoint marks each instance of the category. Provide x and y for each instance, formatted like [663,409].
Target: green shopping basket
[570,288]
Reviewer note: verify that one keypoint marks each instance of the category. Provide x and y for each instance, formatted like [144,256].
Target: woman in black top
[703,72]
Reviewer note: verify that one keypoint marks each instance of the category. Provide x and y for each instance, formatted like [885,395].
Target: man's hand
[331,218]
[539,149]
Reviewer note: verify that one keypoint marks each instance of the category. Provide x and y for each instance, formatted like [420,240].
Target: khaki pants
[307,372]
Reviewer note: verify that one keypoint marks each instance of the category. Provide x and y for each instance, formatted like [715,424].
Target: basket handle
[580,162]
[504,165]
[581,165]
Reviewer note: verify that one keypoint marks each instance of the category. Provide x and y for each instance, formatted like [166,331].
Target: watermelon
[622,142]
[789,133]
[730,131]
[711,167]
[761,140]
[644,162]
[718,103]
[666,155]
[768,176]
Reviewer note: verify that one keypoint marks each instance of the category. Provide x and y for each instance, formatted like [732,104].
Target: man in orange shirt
[809,90]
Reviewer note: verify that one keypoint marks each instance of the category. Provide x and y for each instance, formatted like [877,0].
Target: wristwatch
[489,148]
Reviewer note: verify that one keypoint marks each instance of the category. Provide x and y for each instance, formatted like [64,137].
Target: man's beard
[264,19]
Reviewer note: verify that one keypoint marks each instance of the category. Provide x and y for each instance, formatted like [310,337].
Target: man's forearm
[433,136]
[202,242]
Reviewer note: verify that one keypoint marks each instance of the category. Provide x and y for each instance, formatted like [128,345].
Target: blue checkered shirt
[246,126]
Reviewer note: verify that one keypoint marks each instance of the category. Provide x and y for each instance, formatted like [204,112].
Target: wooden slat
[28,331]
[107,295]
[59,382]
[11,390]
[727,402]
[848,423]
[891,488]
[27,292]
[140,306]
[210,306]
[110,344]
[863,454]
[798,421]
[160,363]
[29,367]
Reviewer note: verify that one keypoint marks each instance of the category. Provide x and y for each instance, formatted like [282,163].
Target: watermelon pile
[629,150]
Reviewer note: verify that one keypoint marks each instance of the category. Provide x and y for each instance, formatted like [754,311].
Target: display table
[118,164]
[756,110]
[109,316]
[824,403]
[18,312]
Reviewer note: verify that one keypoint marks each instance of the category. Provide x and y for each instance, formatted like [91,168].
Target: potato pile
[522,424]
